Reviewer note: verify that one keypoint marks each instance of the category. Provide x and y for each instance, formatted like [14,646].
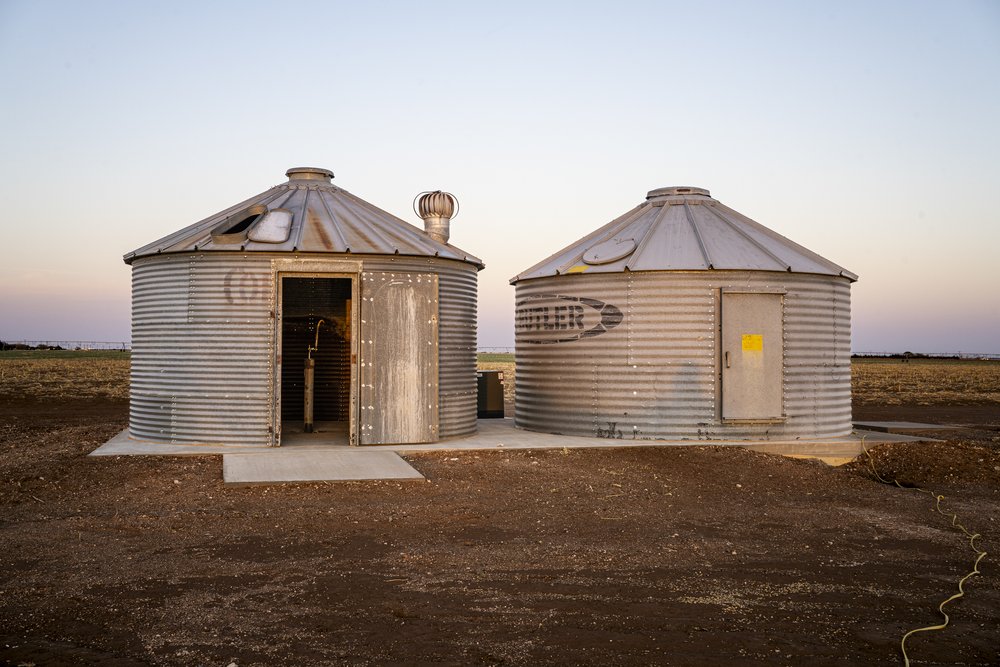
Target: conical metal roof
[683,229]
[306,214]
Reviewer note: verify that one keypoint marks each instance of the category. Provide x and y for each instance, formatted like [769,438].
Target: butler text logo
[554,318]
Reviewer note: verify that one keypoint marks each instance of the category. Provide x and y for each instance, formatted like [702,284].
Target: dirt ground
[672,556]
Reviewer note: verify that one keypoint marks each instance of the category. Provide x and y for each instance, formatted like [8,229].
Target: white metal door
[399,358]
[752,356]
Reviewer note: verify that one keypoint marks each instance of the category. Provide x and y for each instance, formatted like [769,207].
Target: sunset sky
[868,132]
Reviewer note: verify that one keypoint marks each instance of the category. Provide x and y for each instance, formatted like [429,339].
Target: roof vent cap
[677,191]
[309,174]
[436,208]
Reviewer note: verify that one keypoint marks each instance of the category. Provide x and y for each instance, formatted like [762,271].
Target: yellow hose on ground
[955,524]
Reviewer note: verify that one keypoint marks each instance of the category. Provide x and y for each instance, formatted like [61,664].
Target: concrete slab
[124,445]
[904,427]
[881,437]
[282,466]
[332,433]
[499,434]
[502,434]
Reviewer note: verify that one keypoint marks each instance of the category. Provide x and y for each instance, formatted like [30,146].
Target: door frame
[333,269]
[777,291]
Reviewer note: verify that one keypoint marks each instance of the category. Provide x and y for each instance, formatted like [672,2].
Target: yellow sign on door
[753,342]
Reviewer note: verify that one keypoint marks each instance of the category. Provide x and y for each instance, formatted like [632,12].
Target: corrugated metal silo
[684,319]
[225,314]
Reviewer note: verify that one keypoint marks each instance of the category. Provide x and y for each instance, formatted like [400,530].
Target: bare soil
[673,556]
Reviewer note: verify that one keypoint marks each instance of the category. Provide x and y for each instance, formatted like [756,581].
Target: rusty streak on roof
[325,219]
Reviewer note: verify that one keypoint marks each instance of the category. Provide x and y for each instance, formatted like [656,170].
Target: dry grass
[70,376]
[925,381]
[875,381]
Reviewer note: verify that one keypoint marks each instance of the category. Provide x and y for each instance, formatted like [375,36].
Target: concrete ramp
[283,466]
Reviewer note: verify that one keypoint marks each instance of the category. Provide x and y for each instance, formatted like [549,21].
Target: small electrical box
[490,401]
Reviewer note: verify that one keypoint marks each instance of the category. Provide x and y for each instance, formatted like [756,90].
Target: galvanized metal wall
[457,299]
[203,344]
[655,373]
[202,340]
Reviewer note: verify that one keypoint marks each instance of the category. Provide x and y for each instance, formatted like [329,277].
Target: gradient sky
[867,131]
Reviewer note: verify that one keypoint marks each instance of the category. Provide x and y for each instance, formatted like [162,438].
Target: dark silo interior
[304,302]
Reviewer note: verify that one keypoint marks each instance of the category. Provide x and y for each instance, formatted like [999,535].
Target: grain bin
[229,313]
[684,319]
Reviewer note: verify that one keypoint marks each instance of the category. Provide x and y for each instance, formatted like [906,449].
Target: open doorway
[315,324]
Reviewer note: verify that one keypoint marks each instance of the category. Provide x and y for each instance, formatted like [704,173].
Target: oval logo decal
[544,319]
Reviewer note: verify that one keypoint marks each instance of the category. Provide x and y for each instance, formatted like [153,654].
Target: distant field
[46,374]
[925,381]
[104,373]
[495,358]
[65,354]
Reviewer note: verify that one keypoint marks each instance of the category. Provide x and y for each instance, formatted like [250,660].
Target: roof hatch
[609,251]
[234,228]
[273,227]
